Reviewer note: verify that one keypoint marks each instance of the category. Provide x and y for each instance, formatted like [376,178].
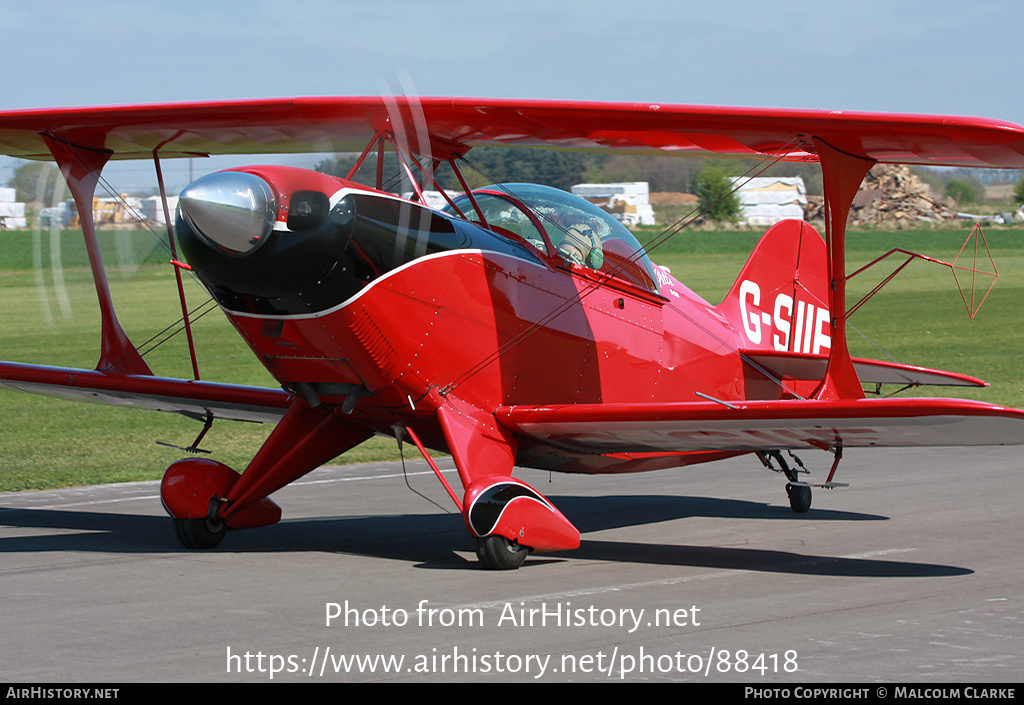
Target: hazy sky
[918,56]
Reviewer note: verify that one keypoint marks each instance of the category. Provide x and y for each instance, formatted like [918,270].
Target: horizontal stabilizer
[192,398]
[812,367]
[760,425]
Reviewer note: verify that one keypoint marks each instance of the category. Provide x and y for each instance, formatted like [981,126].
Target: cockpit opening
[563,226]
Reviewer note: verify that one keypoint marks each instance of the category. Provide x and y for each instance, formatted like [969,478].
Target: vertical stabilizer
[780,300]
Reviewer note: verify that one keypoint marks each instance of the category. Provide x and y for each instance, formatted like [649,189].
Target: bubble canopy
[580,232]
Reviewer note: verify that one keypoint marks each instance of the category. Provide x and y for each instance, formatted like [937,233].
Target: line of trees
[564,169]
[492,165]
[34,182]
[707,178]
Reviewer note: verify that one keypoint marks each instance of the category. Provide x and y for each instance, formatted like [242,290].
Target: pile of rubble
[891,196]
[667,198]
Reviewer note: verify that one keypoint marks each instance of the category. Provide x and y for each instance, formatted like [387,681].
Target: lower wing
[686,427]
[192,398]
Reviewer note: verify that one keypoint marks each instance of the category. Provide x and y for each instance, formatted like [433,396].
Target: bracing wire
[158,339]
[405,475]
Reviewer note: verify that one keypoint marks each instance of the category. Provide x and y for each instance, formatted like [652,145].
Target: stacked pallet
[12,213]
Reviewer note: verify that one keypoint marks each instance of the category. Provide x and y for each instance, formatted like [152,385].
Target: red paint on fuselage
[444,318]
[495,329]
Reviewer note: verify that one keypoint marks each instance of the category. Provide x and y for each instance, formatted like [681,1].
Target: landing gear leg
[799,492]
[507,516]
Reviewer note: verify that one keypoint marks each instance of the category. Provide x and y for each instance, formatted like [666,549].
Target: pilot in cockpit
[581,245]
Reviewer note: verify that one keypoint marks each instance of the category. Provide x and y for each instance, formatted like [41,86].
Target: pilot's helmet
[582,245]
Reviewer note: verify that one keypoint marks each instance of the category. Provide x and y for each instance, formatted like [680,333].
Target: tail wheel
[199,533]
[498,553]
[799,497]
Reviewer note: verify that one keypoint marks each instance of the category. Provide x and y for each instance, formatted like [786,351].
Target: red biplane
[518,324]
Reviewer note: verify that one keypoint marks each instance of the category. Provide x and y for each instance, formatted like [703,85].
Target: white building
[765,200]
[152,208]
[434,199]
[628,202]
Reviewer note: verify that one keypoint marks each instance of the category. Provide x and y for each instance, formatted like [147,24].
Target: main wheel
[199,533]
[498,553]
[799,497]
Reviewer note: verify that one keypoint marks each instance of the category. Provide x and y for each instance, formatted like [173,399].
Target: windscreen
[581,233]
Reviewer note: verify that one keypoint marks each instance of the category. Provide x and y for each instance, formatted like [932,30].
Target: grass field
[50,317]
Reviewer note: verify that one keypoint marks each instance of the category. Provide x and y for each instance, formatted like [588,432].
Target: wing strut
[177,269]
[81,169]
[843,174]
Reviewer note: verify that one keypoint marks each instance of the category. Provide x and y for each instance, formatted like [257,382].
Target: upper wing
[765,425]
[456,124]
